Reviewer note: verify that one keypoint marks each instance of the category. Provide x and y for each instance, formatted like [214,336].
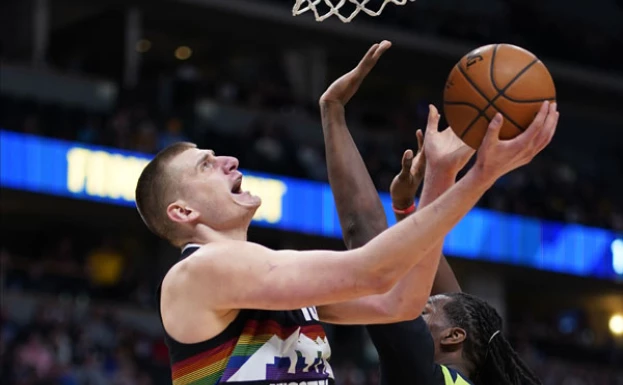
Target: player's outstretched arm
[448,155]
[358,204]
[243,275]
[359,208]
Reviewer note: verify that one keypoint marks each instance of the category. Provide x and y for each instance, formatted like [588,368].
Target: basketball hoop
[302,6]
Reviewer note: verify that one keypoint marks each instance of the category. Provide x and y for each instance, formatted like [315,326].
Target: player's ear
[453,337]
[180,212]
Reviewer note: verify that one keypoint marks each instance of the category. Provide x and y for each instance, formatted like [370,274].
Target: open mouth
[236,188]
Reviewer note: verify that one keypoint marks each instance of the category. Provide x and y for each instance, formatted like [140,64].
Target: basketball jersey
[453,377]
[260,347]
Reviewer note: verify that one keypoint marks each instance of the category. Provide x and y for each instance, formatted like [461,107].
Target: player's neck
[203,235]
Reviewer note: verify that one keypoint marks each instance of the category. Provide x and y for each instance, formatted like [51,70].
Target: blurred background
[90,90]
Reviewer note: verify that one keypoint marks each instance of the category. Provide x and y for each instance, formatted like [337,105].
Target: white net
[323,9]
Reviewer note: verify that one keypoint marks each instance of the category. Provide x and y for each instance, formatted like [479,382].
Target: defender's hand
[497,157]
[445,152]
[343,89]
[405,184]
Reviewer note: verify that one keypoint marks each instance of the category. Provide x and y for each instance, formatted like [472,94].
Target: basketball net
[302,6]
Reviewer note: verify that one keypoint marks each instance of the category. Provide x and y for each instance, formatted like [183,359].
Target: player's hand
[405,184]
[343,89]
[497,157]
[445,152]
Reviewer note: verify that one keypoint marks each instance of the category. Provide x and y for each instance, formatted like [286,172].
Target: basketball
[495,78]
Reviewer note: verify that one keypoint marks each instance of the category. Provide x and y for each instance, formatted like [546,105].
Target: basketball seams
[475,107]
[514,79]
[480,112]
[475,87]
[502,92]
[524,101]
[491,67]
[528,101]
[471,124]
[527,80]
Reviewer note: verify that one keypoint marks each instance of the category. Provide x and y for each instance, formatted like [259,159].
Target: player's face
[212,185]
[435,317]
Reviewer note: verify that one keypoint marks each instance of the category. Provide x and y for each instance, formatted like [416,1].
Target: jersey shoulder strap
[452,377]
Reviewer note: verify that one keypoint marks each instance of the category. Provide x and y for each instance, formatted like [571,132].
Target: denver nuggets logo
[295,359]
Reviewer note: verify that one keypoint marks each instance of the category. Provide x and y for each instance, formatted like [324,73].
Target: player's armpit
[244,275]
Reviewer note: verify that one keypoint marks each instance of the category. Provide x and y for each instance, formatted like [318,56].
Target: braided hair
[492,356]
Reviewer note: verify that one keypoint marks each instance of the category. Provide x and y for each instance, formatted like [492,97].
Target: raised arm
[358,204]
[407,298]
[238,275]
[345,162]
[359,207]
[403,190]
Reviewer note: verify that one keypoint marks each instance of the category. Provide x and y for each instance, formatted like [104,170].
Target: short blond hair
[153,191]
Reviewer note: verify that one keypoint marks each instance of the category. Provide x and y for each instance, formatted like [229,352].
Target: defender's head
[184,189]
[467,332]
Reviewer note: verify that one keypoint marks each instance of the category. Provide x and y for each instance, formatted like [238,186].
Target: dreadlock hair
[494,360]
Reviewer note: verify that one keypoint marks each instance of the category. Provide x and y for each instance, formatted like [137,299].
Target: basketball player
[236,312]
[458,338]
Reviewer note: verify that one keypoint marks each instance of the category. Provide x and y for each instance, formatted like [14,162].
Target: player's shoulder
[206,259]
[450,376]
[196,270]
[203,254]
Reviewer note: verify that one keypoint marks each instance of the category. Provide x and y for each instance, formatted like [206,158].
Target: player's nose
[229,163]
